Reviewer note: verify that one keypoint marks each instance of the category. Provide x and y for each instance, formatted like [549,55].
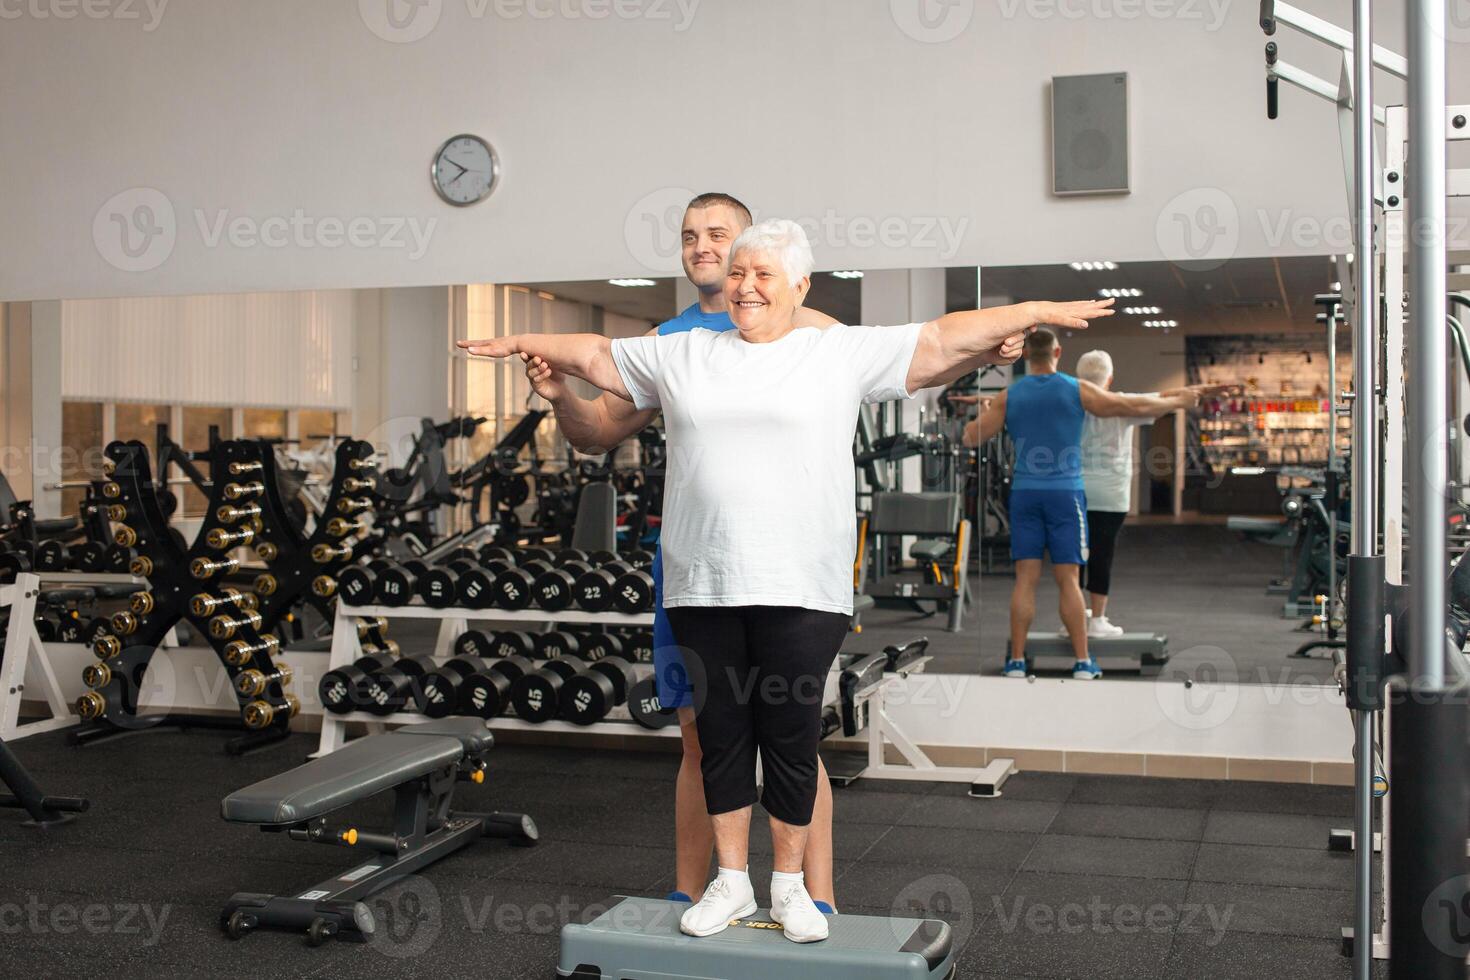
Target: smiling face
[760,294]
[708,234]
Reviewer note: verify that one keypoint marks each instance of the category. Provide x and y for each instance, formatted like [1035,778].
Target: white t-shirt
[1107,462]
[758,497]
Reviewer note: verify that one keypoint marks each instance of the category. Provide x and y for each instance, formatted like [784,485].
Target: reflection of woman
[1107,478]
[759,540]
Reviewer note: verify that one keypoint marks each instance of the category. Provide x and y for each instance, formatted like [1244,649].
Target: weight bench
[421,764]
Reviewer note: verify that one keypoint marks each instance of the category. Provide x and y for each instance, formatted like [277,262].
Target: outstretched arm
[1110,404]
[992,419]
[957,343]
[582,355]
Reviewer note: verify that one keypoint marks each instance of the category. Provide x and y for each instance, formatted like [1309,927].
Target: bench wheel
[238,924]
[319,931]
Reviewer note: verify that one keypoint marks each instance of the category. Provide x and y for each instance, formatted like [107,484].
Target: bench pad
[356,771]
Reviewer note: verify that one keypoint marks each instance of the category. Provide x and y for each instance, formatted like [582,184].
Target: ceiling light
[632,282]
[1141,310]
[848,274]
[1094,266]
[1119,293]
[1161,324]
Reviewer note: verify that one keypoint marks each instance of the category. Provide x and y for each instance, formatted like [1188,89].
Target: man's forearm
[591,426]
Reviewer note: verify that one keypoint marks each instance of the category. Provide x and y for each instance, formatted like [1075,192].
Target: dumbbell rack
[23,645]
[346,648]
[301,567]
[178,574]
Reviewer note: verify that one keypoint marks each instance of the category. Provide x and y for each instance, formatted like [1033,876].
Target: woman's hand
[494,347]
[547,383]
[1070,316]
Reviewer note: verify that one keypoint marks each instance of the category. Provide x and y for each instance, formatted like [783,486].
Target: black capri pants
[1102,537]
[758,674]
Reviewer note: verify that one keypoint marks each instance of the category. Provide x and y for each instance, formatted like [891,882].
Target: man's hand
[494,347]
[1009,351]
[547,383]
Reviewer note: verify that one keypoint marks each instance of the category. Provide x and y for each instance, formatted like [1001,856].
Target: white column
[414,357]
[45,435]
[891,297]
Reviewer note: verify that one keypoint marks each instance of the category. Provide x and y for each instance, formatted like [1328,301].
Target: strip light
[632,282]
[848,274]
[1095,266]
[1119,293]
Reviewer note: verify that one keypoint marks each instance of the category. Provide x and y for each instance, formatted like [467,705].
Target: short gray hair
[786,240]
[1095,366]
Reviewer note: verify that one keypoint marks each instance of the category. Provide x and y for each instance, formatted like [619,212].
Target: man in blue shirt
[711,224]
[1043,411]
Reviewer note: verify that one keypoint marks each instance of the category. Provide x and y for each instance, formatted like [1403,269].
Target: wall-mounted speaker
[1089,134]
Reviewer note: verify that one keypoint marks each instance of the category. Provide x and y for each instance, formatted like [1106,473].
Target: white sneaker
[723,900]
[1099,626]
[803,921]
[1087,613]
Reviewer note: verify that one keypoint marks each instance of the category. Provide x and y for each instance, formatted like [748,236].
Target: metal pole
[1364,479]
[1427,404]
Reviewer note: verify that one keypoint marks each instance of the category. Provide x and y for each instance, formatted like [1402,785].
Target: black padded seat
[357,771]
[930,549]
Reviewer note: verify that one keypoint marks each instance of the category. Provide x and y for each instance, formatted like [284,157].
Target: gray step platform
[1143,653]
[639,939]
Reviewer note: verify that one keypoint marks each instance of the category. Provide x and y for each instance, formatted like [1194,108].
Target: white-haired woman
[1107,480]
[759,542]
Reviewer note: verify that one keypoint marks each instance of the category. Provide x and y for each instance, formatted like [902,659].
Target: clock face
[465,170]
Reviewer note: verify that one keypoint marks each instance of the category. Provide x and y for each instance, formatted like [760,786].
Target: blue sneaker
[678,897]
[1015,668]
[824,908]
[1086,670]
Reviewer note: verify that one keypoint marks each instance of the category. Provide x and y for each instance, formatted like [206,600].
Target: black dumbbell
[120,560]
[344,689]
[593,590]
[486,692]
[392,688]
[473,643]
[91,557]
[48,625]
[644,706]
[494,552]
[515,587]
[70,628]
[53,556]
[633,592]
[599,646]
[357,584]
[568,555]
[97,626]
[554,644]
[439,586]
[603,557]
[475,587]
[512,643]
[554,589]
[536,554]
[13,563]
[536,695]
[437,695]
[588,697]
[638,646]
[396,584]
[638,558]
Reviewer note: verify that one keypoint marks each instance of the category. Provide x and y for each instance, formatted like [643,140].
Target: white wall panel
[292,350]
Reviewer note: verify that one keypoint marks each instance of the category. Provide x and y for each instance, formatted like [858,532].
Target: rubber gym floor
[1064,876]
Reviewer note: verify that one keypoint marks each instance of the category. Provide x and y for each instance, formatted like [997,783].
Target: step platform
[1141,653]
[639,939]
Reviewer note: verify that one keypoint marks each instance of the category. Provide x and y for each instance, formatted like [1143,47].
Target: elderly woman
[1107,479]
[758,548]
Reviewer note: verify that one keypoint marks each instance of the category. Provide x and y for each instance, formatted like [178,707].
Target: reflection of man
[711,224]
[1044,412]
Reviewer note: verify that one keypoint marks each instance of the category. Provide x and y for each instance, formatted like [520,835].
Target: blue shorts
[1052,521]
[670,678]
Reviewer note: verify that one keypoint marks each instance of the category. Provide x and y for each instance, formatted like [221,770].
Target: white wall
[275,111]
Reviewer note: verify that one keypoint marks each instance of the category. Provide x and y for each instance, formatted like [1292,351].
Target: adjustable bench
[421,764]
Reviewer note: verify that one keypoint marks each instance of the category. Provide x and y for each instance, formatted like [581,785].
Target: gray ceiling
[1244,296]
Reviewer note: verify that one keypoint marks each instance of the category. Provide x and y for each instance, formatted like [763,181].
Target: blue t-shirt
[1044,416]
[695,317]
